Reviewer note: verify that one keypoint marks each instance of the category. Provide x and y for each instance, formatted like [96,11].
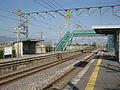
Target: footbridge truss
[68,37]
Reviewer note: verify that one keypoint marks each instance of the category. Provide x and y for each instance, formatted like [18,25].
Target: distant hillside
[4,39]
[49,41]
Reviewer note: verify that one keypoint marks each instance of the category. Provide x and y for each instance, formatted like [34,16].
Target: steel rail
[67,74]
[9,64]
[29,71]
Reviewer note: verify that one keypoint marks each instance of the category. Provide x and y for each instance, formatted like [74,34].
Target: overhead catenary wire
[17,19]
[5,29]
[55,25]
[8,11]
[98,7]
[49,6]
[53,3]
[5,10]
[8,17]
[75,21]
[58,8]
[58,4]
[43,6]
[50,29]
[53,7]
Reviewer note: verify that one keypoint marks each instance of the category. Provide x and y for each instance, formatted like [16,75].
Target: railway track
[8,64]
[12,77]
[19,64]
[64,79]
[6,79]
[14,63]
[4,65]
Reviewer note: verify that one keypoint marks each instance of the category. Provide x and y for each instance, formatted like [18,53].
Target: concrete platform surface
[102,74]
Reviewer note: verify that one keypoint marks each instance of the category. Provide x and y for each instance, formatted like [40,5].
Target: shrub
[1,53]
[48,48]
[94,44]
[7,56]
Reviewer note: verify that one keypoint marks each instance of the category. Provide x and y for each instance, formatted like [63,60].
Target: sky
[52,28]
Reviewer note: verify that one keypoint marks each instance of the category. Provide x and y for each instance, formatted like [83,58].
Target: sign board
[7,50]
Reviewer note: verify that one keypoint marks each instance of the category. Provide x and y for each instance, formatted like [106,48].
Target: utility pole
[19,23]
[69,19]
[18,30]
[27,27]
[41,35]
[41,42]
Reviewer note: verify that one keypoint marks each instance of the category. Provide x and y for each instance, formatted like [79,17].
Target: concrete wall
[25,48]
[19,48]
[76,47]
[40,49]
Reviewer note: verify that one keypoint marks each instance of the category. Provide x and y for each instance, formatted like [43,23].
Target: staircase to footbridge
[68,38]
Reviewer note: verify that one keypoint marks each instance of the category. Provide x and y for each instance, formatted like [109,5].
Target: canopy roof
[108,29]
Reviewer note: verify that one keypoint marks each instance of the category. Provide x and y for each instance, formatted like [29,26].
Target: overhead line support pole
[27,27]
[19,23]
[18,30]
[69,19]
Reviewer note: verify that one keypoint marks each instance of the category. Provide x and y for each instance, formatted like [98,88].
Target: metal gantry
[75,12]
[23,19]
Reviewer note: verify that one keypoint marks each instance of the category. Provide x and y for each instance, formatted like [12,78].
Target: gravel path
[43,78]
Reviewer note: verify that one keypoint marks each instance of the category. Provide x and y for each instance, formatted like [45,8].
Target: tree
[94,44]
[77,44]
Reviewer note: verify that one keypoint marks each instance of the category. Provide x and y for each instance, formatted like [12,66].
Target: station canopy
[31,40]
[107,29]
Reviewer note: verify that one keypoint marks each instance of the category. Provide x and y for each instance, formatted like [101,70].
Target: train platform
[102,73]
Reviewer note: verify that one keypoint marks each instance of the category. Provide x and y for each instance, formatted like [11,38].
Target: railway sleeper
[38,60]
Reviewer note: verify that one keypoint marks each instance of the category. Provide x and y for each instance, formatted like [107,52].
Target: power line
[75,21]
[50,29]
[43,6]
[79,22]
[8,11]
[5,10]
[85,8]
[47,7]
[53,4]
[8,17]
[46,24]
[54,8]
[50,6]
[59,8]
[47,4]
[58,4]
[5,29]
